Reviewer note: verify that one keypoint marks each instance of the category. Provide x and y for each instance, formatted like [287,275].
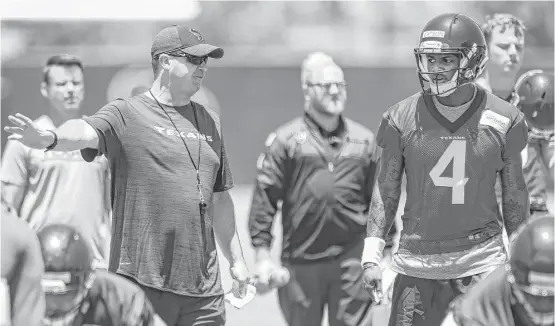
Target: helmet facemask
[534,297]
[65,293]
[471,64]
[528,303]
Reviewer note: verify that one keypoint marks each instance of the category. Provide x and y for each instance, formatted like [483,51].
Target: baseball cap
[186,39]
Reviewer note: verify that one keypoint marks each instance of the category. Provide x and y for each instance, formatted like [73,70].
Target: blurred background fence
[256,86]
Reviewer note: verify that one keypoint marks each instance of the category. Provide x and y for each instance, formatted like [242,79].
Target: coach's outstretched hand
[241,278]
[27,132]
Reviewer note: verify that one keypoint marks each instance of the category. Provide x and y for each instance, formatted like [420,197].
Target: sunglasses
[197,61]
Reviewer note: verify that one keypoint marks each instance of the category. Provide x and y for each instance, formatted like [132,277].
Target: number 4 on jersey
[456,152]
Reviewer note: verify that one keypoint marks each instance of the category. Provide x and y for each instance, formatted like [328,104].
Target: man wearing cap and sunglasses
[170,182]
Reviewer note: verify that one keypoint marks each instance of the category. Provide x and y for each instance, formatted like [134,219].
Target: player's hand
[241,279]
[372,278]
[27,132]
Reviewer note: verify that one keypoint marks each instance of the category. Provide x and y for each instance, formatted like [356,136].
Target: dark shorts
[424,302]
[337,283]
[180,310]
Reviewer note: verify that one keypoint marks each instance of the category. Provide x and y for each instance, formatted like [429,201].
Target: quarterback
[451,140]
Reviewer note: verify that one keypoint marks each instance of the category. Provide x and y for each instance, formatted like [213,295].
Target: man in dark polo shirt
[321,166]
[170,182]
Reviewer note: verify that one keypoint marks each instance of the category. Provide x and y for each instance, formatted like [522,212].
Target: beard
[329,108]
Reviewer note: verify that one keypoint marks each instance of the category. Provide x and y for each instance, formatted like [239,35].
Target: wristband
[373,251]
[54,143]
[365,266]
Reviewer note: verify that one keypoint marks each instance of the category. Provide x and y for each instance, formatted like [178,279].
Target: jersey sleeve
[224,178]
[389,135]
[268,191]
[109,123]
[14,164]
[516,137]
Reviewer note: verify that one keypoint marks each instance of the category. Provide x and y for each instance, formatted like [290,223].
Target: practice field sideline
[264,309]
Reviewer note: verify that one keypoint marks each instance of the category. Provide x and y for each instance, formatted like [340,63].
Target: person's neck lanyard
[202,203]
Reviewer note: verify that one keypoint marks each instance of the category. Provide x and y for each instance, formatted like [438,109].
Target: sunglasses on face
[197,61]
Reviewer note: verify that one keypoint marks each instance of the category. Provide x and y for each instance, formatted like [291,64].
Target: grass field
[264,309]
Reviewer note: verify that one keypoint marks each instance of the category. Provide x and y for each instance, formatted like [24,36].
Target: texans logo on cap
[197,34]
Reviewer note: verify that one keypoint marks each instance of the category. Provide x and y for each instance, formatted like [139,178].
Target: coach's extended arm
[72,135]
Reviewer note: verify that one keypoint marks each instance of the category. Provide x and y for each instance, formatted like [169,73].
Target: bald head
[323,85]
[319,67]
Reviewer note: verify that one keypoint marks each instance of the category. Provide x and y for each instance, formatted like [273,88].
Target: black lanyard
[202,204]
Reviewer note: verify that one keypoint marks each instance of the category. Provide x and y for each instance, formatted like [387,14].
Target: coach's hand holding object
[27,132]
[242,291]
[241,278]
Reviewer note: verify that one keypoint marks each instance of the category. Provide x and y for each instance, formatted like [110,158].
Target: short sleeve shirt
[159,235]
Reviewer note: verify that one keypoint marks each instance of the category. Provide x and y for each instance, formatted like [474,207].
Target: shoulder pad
[400,113]
[499,114]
